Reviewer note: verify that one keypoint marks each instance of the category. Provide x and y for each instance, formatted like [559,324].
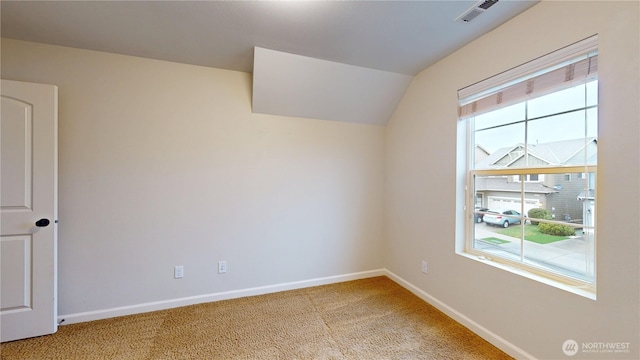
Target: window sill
[581,290]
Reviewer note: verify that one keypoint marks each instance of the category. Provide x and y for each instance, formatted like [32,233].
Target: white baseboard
[199,299]
[494,339]
[481,331]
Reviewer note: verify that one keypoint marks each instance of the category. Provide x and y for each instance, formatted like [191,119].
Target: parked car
[478,213]
[501,217]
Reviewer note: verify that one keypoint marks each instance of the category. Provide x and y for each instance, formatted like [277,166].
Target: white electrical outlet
[423,267]
[222,267]
[178,272]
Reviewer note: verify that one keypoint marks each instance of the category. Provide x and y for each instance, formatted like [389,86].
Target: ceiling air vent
[476,10]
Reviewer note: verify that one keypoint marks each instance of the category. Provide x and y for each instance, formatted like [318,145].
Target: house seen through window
[532,165]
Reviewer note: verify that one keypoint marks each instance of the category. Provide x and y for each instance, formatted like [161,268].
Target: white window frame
[465,242]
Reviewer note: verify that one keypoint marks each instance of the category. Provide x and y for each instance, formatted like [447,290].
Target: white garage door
[507,203]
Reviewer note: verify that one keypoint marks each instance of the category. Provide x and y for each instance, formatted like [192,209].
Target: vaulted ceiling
[389,39]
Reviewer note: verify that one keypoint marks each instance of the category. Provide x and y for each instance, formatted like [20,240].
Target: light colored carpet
[365,319]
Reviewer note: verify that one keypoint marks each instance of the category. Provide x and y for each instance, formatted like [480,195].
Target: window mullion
[522,182]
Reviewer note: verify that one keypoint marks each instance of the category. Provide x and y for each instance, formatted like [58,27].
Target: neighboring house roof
[481,153]
[502,183]
[567,152]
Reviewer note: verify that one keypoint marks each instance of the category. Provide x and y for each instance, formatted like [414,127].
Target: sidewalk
[572,256]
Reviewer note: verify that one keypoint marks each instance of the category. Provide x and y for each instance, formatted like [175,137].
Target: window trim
[466,195]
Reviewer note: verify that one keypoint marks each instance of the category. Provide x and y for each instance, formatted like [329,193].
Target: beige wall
[424,218]
[164,164]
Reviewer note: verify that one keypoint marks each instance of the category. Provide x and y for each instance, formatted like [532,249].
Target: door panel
[28,192]
[16,154]
[15,253]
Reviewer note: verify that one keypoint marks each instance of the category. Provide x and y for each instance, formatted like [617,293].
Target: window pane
[564,243]
[560,140]
[568,99]
[498,217]
[503,116]
[491,241]
[566,247]
[562,127]
[499,146]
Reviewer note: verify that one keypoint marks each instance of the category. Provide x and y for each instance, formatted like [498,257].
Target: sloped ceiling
[294,85]
[387,36]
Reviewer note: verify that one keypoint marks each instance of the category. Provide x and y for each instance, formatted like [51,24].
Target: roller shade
[577,70]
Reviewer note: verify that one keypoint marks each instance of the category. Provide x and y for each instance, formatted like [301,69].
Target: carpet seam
[324,322]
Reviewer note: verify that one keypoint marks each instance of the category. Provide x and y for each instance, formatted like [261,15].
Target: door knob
[42,223]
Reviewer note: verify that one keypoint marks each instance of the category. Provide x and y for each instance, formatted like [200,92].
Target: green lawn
[531,233]
[494,240]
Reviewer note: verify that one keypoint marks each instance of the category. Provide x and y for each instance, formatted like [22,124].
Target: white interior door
[28,205]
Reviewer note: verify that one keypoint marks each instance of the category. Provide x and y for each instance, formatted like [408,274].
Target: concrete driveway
[572,257]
